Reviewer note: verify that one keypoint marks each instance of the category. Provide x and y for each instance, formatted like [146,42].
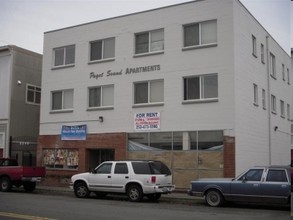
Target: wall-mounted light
[101,118]
[18,82]
[275,128]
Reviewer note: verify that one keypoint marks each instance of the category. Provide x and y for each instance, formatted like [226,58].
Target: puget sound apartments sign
[127,71]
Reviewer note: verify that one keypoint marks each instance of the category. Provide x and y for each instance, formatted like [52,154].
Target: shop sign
[147,121]
[76,132]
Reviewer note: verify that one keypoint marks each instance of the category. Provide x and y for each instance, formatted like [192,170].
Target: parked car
[13,175]
[136,179]
[269,184]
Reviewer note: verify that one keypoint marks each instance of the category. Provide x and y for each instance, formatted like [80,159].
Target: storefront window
[60,158]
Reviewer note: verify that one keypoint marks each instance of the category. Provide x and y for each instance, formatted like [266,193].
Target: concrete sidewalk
[175,197]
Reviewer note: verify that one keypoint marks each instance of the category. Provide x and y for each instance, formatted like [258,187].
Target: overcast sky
[23,22]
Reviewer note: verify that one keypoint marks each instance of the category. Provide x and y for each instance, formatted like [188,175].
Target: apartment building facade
[201,86]
[20,89]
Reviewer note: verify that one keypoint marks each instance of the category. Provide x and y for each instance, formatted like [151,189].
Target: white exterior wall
[252,130]
[174,65]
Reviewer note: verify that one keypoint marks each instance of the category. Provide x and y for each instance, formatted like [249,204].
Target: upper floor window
[2,139]
[102,49]
[148,42]
[102,96]
[62,100]
[288,112]
[254,51]
[64,56]
[203,33]
[255,94]
[282,108]
[201,87]
[288,76]
[272,65]
[33,94]
[263,99]
[262,51]
[273,104]
[149,92]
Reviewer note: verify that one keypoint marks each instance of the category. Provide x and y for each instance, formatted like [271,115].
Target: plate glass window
[273,103]
[148,42]
[149,92]
[101,96]
[282,108]
[33,94]
[102,49]
[255,94]
[254,46]
[62,100]
[272,65]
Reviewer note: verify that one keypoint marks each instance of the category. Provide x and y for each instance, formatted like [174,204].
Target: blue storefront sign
[75,132]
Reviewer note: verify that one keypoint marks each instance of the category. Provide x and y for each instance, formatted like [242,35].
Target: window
[62,100]
[33,94]
[252,175]
[254,46]
[288,112]
[277,176]
[283,72]
[203,33]
[149,92]
[263,99]
[61,158]
[272,65]
[104,168]
[102,96]
[64,56]
[148,42]
[273,104]
[262,51]
[255,94]
[2,139]
[102,49]
[121,168]
[201,87]
[282,108]
[288,76]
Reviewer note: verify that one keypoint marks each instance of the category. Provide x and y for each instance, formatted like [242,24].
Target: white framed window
[64,56]
[33,94]
[283,72]
[262,53]
[264,105]
[149,42]
[102,49]
[2,139]
[282,108]
[199,34]
[101,96]
[288,113]
[202,87]
[255,94]
[273,104]
[272,65]
[149,92]
[62,100]
[288,76]
[254,50]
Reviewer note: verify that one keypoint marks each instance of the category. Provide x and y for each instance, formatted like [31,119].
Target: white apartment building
[20,97]
[201,86]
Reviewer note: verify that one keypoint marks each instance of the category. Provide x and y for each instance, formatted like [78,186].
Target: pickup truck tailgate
[33,171]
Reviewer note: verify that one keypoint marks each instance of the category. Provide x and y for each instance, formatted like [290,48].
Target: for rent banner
[76,132]
[147,121]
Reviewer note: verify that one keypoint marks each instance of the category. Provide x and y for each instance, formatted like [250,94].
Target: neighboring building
[20,89]
[291,111]
[201,86]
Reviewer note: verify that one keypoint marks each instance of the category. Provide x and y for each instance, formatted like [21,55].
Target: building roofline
[11,47]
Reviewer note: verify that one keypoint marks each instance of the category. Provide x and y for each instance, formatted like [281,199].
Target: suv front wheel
[81,190]
[134,193]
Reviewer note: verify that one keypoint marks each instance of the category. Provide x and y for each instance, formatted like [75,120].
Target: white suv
[133,178]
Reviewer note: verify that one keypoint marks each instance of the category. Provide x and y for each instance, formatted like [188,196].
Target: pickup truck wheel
[81,190]
[154,197]
[29,186]
[134,193]
[214,198]
[5,184]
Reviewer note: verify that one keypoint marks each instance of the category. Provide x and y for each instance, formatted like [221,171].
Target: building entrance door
[98,156]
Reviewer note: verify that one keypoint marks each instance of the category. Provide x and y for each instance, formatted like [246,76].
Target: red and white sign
[147,121]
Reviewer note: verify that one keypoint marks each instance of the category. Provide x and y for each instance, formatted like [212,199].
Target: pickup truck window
[121,168]
[253,175]
[105,168]
[8,163]
[277,176]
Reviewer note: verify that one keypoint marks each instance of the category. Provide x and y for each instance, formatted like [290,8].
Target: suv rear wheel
[134,193]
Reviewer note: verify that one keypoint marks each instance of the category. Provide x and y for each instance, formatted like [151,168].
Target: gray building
[20,89]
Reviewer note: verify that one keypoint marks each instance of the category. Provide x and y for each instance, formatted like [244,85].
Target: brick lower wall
[229,157]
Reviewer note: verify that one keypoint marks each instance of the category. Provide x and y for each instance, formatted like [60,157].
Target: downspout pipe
[269,101]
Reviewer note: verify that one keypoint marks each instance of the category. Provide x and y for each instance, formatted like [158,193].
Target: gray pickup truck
[264,184]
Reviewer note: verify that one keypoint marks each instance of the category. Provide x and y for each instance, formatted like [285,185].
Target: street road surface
[44,206]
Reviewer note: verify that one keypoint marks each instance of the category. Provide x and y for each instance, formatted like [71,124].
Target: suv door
[277,187]
[120,177]
[100,179]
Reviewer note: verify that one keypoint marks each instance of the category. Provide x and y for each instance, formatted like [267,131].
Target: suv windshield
[153,167]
